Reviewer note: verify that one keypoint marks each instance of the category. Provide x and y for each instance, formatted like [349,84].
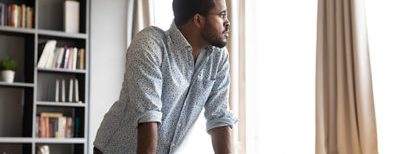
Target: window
[280,76]
[163,14]
[384,37]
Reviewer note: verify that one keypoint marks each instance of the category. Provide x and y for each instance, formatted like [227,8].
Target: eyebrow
[224,11]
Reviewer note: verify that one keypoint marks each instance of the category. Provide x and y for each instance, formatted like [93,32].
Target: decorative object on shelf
[8,67]
[71,16]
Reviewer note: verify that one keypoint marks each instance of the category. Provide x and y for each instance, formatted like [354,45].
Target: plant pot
[8,76]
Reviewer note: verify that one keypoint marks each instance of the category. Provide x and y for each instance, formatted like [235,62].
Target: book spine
[29,16]
[57,91]
[49,47]
[66,58]
[82,58]
[22,16]
[62,90]
[70,90]
[74,58]
[77,91]
[2,14]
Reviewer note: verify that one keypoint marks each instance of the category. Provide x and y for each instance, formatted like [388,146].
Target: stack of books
[54,125]
[15,15]
[70,58]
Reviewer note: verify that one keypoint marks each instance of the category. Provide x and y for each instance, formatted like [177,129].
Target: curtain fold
[140,15]
[345,115]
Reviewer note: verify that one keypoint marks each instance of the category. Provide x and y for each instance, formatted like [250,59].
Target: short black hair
[186,9]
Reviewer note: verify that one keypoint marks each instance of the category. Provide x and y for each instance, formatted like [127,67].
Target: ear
[198,20]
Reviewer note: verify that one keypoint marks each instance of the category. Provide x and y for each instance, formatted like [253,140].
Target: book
[69,128]
[76,127]
[50,58]
[66,58]
[29,17]
[22,18]
[49,47]
[42,126]
[74,58]
[70,56]
[61,127]
[56,99]
[81,58]
[51,114]
[15,15]
[77,91]
[71,16]
[60,56]
[10,15]
[70,89]
[54,124]
[47,123]
[2,14]
[62,90]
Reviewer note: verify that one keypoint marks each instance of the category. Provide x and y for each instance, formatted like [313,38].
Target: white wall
[108,47]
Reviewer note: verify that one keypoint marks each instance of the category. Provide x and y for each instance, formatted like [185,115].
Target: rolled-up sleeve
[144,78]
[216,109]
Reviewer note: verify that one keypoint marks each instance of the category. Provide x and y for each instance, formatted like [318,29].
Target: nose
[227,23]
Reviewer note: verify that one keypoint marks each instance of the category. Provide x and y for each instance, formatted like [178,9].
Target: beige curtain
[236,48]
[345,116]
[140,15]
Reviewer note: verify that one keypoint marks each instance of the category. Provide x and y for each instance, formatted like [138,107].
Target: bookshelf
[25,102]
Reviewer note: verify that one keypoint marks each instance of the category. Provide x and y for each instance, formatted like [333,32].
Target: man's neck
[194,38]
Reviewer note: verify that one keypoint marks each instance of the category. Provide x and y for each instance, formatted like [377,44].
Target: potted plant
[8,67]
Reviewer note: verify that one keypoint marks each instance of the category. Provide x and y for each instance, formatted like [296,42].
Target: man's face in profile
[216,28]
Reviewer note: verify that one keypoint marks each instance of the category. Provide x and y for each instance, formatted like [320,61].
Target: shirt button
[179,124]
[172,145]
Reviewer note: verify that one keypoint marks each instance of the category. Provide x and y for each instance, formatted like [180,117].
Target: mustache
[227,30]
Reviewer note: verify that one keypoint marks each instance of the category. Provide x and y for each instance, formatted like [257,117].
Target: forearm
[147,138]
[222,140]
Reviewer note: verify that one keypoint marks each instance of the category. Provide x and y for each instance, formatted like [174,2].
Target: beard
[213,37]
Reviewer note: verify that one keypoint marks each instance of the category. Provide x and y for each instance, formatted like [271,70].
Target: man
[170,77]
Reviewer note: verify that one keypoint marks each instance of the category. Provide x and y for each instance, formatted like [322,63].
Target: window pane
[163,14]
[280,77]
[384,38]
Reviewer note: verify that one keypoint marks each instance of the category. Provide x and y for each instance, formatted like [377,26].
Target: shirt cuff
[228,120]
[150,116]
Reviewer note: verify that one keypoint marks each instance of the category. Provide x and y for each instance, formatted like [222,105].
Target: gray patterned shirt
[162,83]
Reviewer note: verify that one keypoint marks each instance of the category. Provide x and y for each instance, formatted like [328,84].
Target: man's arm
[147,138]
[219,119]
[221,140]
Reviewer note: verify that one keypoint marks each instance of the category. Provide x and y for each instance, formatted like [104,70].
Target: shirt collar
[179,42]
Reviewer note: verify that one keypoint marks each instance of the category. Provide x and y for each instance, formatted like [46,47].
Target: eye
[223,15]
